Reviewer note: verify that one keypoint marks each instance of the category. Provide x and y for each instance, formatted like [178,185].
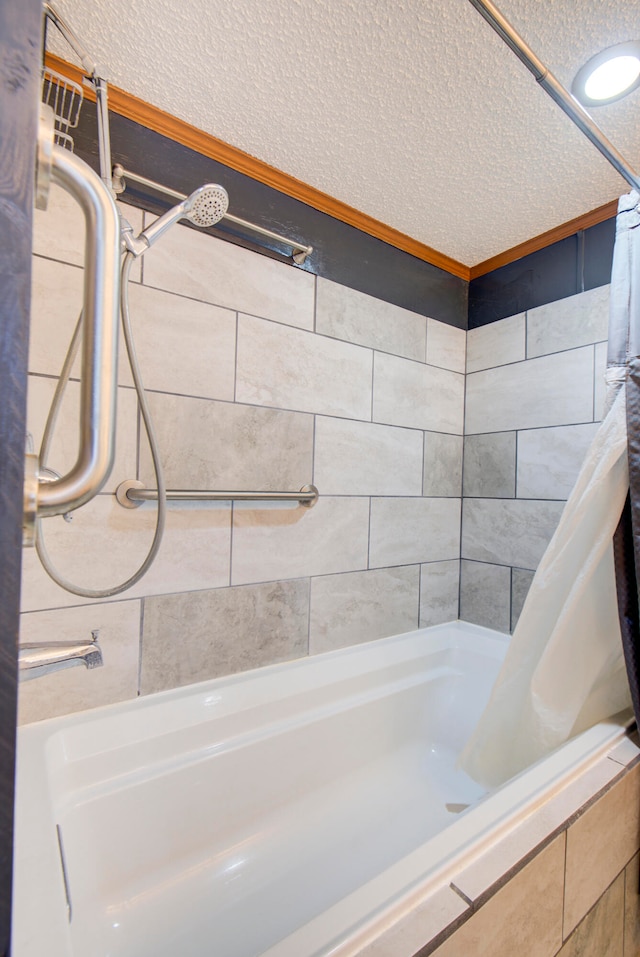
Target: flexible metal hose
[72,352]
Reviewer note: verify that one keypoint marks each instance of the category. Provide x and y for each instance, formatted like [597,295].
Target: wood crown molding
[554,235]
[175,129]
[129,106]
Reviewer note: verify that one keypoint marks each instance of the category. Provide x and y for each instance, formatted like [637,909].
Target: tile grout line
[315,304]
[232,516]
[373,380]
[624,911]
[594,383]
[461,894]
[310,580]
[141,645]
[235,362]
[462,495]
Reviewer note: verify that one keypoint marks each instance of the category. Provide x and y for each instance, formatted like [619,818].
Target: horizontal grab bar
[120,175]
[131,494]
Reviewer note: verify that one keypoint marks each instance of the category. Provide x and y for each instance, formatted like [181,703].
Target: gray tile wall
[534,397]
[260,376]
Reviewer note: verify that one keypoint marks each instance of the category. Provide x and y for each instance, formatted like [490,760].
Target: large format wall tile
[508,532]
[490,465]
[105,544]
[184,346]
[56,301]
[549,460]
[602,932]
[358,458]
[56,289]
[220,445]
[356,317]
[521,579]
[64,446]
[118,627]
[632,908]
[599,845]
[439,592]
[485,595]
[599,386]
[406,531]
[360,606]
[199,635]
[551,390]
[290,369]
[193,264]
[568,323]
[442,464]
[524,917]
[446,346]
[497,343]
[423,922]
[58,231]
[416,395]
[277,541]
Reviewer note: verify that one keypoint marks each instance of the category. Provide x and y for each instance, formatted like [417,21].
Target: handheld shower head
[204,207]
[207,205]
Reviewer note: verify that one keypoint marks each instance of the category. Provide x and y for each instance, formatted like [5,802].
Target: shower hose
[65,374]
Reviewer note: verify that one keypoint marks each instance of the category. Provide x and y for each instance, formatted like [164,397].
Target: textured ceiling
[412,111]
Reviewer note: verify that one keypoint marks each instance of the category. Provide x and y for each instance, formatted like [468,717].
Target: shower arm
[45,496]
[551,85]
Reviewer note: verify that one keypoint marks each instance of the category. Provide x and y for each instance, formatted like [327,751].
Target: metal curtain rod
[120,175]
[132,493]
[574,110]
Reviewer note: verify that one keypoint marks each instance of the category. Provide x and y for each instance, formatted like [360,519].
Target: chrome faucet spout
[43,659]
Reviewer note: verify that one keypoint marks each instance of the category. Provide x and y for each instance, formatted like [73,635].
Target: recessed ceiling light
[609,75]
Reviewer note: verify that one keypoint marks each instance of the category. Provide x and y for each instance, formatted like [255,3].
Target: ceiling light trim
[631,48]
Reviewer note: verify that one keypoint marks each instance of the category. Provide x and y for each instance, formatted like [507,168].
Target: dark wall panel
[580,262]
[341,252]
[19,85]
[598,253]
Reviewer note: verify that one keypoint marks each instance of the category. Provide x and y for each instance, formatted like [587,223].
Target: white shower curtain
[565,668]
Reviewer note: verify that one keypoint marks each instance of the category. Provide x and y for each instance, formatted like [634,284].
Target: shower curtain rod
[551,85]
[120,175]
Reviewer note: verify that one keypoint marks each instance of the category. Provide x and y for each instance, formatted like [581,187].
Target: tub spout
[43,659]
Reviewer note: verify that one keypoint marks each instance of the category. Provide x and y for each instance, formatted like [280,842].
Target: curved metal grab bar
[99,339]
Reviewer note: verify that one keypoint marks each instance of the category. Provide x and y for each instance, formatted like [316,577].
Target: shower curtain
[577,636]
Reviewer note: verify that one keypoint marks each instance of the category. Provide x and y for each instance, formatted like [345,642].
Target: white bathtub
[293,811]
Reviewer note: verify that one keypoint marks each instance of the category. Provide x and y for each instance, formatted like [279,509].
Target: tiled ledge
[542,887]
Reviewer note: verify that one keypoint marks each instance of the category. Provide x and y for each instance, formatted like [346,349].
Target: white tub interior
[277,812]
